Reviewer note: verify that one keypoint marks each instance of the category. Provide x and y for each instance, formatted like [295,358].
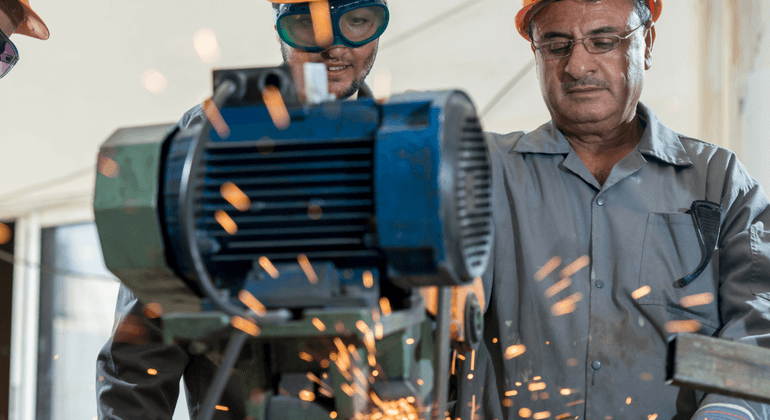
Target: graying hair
[641,7]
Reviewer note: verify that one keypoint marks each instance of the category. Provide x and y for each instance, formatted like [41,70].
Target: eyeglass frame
[572,43]
[5,38]
[336,10]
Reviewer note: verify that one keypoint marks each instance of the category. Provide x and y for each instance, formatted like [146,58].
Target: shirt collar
[657,141]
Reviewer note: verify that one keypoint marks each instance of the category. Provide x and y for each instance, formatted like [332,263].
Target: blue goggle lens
[352,28]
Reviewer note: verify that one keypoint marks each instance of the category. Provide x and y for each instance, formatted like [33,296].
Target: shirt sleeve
[744,283]
[137,375]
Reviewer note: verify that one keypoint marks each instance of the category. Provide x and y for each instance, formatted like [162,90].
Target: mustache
[586,81]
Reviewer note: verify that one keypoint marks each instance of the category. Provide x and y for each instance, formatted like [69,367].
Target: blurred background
[117,64]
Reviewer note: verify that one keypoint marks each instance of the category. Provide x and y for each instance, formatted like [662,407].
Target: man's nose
[334,52]
[580,62]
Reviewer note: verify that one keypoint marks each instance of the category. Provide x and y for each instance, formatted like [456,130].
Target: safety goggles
[354,23]
[9,55]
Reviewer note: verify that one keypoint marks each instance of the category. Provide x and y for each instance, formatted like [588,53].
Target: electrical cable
[9,258]
[45,184]
[427,24]
[507,88]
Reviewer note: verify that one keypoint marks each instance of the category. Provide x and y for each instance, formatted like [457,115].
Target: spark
[319,324]
[536,378]
[385,306]
[511,393]
[347,389]
[333,414]
[368,279]
[322,22]
[697,300]
[306,395]
[628,401]
[378,331]
[541,415]
[514,351]
[646,376]
[570,404]
[276,107]
[265,145]
[575,266]
[494,340]
[152,310]
[420,382]
[222,408]
[154,81]
[56,357]
[252,303]
[130,330]
[461,356]
[324,363]
[652,416]
[314,212]
[268,266]
[101,378]
[235,196]
[525,413]
[227,223]
[409,341]
[245,325]
[563,416]
[107,167]
[507,402]
[326,392]
[566,306]
[152,372]
[470,376]
[339,326]
[565,391]
[473,359]
[640,292]
[216,119]
[518,383]
[558,287]
[689,325]
[551,265]
[305,356]
[307,268]
[206,45]
[572,362]
[5,234]
[537,386]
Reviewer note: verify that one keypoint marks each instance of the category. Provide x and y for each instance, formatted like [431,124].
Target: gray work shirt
[591,347]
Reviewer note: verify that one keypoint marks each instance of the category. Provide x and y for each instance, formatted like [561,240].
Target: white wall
[68,94]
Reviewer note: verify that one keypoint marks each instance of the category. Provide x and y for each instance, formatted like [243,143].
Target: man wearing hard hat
[124,389]
[612,233]
[17,17]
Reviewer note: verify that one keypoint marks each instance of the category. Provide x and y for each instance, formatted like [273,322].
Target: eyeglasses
[354,23]
[595,44]
[9,55]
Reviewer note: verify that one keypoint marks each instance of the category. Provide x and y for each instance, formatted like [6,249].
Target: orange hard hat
[524,16]
[30,24]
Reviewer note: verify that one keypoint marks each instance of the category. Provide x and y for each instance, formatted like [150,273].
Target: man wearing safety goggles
[343,35]
[17,17]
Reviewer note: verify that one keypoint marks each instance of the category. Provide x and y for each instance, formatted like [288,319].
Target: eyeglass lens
[8,56]
[594,44]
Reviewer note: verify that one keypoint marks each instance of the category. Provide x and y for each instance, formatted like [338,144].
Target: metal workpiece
[719,366]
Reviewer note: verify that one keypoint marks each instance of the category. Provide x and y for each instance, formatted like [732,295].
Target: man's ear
[649,40]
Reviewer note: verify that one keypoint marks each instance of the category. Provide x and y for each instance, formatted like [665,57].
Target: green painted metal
[127,218]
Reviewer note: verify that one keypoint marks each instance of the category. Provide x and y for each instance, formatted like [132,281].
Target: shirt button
[600,201]
[596,365]
[599,284]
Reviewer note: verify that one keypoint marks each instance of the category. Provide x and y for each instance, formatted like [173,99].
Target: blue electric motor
[399,191]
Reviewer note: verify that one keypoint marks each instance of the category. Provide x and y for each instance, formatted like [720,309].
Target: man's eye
[603,43]
[304,20]
[559,47]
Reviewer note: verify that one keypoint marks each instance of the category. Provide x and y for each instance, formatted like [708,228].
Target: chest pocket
[671,251]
